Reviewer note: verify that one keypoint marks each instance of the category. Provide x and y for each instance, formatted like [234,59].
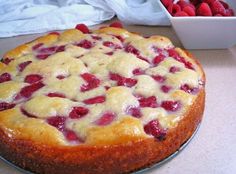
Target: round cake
[102,101]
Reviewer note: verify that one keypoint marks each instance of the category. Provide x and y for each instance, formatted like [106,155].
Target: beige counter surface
[213,149]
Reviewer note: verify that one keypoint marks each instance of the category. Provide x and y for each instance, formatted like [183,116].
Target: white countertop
[212,150]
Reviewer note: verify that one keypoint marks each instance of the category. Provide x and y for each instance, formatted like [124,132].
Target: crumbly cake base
[123,158]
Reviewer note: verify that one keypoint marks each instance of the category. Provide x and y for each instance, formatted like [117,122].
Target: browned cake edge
[123,158]
[112,159]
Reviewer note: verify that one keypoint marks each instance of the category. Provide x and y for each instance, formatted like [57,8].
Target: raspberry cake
[103,101]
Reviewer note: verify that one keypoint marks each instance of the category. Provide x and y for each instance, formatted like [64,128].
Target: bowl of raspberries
[203,24]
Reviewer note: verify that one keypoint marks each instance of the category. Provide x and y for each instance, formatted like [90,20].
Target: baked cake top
[100,87]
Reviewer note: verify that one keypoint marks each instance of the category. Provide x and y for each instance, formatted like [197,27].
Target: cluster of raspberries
[198,8]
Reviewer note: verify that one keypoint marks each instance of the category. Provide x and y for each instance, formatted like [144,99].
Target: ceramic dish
[205,32]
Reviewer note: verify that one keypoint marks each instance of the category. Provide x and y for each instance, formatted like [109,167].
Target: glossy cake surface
[80,98]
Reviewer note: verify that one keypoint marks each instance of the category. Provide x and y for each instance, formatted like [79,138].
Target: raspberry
[23,65]
[35,47]
[58,122]
[165,88]
[105,119]
[95,100]
[138,71]
[143,58]
[111,45]
[55,94]
[120,38]
[45,52]
[217,8]
[127,82]
[172,53]
[134,111]
[158,59]
[96,37]
[183,3]
[188,65]
[60,48]
[116,77]
[5,106]
[27,91]
[148,102]
[109,53]
[173,9]
[154,128]
[85,44]
[122,81]
[229,12]
[90,78]
[55,33]
[60,77]
[174,69]
[166,3]
[204,10]
[71,135]
[209,1]
[116,25]
[32,78]
[78,112]
[159,78]
[226,6]
[5,77]
[83,28]
[219,15]
[7,60]
[42,56]
[48,49]
[181,13]
[189,89]
[171,105]
[92,82]
[131,49]
[189,10]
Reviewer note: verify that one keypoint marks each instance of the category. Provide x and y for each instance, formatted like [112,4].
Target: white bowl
[205,32]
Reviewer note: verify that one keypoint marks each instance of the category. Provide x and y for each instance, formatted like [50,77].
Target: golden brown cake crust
[110,159]
[131,155]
